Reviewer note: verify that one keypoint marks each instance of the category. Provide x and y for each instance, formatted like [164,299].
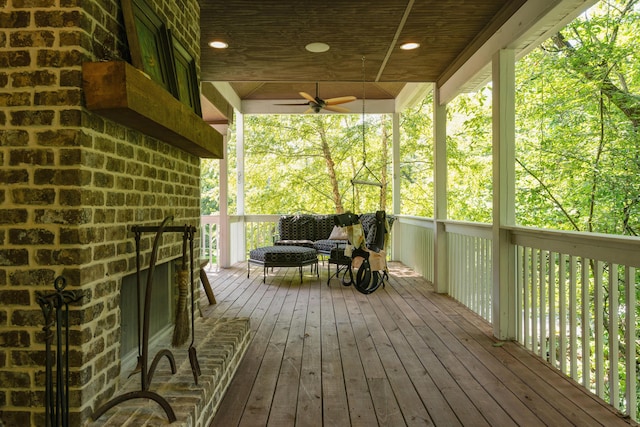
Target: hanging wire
[364,148]
[355,181]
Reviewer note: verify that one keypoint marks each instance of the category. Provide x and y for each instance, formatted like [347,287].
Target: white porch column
[224,251]
[240,160]
[396,163]
[503,253]
[238,238]
[441,251]
[395,243]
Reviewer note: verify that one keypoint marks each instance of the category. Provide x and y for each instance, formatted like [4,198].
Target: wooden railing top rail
[473,229]
[210,219]
[262,218]
[616,249]
[418,221]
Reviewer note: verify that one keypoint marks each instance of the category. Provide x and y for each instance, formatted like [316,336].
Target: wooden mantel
[122,93]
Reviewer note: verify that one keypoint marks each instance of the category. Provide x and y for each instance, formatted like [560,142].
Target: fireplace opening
[162,312]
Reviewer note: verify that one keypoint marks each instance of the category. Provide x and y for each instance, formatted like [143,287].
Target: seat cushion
[283,254]
[304,243]
[325,245]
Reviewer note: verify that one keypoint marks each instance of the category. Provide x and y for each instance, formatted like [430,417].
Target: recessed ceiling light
[317,47]
[409,46]
[218,44]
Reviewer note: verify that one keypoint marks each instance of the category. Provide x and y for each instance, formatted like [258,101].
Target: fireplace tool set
[146,371]
[55,308]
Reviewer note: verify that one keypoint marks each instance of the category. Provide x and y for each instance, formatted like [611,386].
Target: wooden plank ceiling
[267,60]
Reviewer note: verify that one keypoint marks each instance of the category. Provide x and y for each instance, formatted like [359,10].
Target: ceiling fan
[316,104]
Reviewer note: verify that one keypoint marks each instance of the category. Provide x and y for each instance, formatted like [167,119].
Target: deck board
[387,411]
[402,356]
[361,409]
[283,411]
[309,408]
[334,395]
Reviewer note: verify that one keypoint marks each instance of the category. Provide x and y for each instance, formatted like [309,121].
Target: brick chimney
[73,183]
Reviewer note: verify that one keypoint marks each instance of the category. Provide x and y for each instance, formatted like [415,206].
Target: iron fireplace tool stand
[55,308]
[146,375]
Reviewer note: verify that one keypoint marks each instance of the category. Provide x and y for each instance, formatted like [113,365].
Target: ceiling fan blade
[308,97]
[308,110]
[336,109]
[303,103]
[339,100]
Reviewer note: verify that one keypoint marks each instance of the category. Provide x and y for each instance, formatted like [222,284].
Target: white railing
[245,233]
[260,230]
[413,244]
[470,265]
[577,295]
[469,257]
[210,236]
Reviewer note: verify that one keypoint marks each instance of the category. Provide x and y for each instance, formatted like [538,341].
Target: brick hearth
[220,344]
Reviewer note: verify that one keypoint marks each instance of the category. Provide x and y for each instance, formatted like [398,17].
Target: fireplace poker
[138,367]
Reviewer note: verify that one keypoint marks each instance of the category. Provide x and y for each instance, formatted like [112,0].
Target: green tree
[578,115]
[416,159]
[305,163]
[469,138]
[209,187]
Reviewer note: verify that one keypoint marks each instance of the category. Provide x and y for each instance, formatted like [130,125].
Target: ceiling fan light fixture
[409,46]
[218,44]
[317,47]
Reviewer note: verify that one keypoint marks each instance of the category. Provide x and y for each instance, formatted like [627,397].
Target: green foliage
[416,159]
[298,164]
[578,104]
[469,157]
[578,142]
[209,187]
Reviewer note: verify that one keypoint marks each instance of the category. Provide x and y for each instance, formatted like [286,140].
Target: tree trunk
[328,159]
[384,150]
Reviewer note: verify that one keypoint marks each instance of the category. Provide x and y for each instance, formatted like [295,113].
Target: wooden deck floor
[404,355]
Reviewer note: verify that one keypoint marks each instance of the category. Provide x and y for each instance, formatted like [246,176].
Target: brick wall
[72,184]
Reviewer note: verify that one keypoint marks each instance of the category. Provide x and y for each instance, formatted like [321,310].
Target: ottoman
[282,256]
